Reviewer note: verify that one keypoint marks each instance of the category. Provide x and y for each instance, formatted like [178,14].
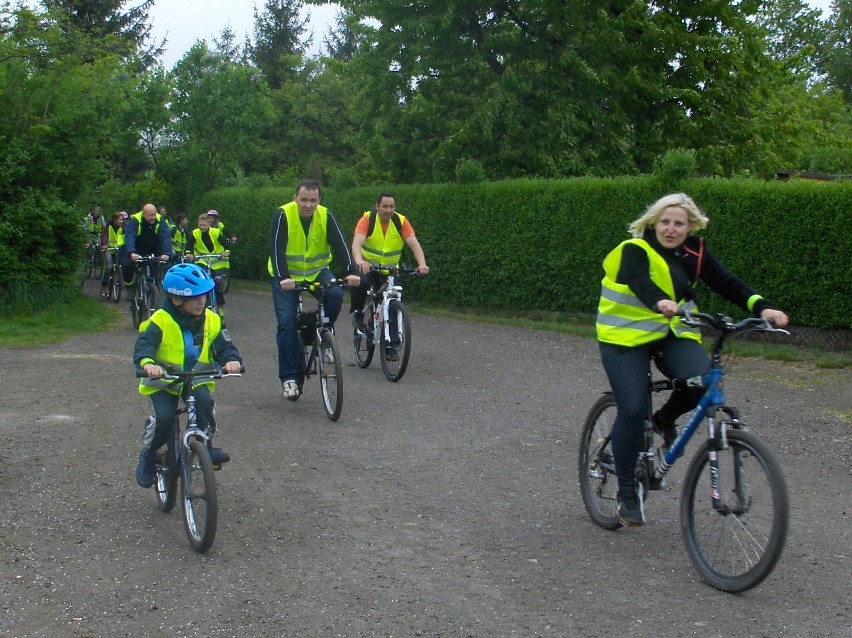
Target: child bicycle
[186,458]
[146,291]
[318,351]
[386,324]
[734,507]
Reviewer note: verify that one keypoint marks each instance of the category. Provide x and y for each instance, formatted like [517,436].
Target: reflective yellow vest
[116,237]
[306,256]
[384,248]
[200,248]
[623,319]
[139,217]
[172,349]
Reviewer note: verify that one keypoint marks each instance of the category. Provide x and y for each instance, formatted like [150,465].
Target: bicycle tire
[598,483]
[736,551]
[115,287]
[395,369]
[198,497]
[98,266]
[152,302]
[226,282]
[89,263]
[331,375]
[167,478]
[363,339]
[135,308]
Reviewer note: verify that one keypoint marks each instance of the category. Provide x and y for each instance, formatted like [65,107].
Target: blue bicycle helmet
[187,280]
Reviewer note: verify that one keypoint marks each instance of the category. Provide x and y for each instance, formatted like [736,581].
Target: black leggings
[628,370]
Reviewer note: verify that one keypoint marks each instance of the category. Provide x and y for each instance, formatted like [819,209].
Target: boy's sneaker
[630,507]
[358,320]
[391,354]
[665,429]
[218,455]
[290,389]
[146,471]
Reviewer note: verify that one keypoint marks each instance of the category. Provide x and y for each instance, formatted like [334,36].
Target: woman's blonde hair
[697,219]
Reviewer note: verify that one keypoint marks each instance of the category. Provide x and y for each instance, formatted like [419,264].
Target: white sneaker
[290,389]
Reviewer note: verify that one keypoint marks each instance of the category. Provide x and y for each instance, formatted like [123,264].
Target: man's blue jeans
[286,306]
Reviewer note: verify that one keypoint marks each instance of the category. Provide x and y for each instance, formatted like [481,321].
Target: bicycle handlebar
[175,374]
[222,256]
[316,286]
[725,324]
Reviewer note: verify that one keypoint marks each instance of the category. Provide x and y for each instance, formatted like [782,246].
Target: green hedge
[538,244]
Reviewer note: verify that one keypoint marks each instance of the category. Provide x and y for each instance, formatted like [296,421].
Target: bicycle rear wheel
[198,497]
[395,368]
[364,346]
[331,376]
[736,548]
[166,483]
[598,483]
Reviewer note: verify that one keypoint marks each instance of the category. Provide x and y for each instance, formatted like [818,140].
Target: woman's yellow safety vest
[384,248]
[623,319]
[307,256]
[200,248]
[116,237]
[172,349]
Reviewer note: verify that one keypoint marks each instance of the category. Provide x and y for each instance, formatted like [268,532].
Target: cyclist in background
[206,240]
[112,237]
[303,237]
[145,234]
[380,236]
[93,225]
[184,334]
[162,212]
[180,237]
[647,279]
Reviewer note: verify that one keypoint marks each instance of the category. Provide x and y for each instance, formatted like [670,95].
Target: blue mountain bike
[734,507]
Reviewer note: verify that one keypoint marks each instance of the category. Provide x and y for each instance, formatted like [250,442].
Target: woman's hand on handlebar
[775,317]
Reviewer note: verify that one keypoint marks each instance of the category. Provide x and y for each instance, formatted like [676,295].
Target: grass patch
[58,322]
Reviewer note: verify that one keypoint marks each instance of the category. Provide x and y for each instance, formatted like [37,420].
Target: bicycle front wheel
[152,301]
[137,306]
[115,288]
[736,547]
[198,496]
[98,266]
[598,483]
[166,483]
[331,376]
[90,263]
[364,346]
[395,353]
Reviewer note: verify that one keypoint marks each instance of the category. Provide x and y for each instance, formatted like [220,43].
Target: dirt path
[444,505]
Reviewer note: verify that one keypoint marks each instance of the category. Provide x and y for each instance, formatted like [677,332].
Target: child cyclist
[184,334]
[207,240]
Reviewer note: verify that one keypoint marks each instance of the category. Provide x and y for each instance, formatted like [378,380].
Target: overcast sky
[183,22]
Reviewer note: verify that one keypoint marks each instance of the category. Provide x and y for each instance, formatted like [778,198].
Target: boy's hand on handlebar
[232,367]
[776,318]
[667,308]
[153,371]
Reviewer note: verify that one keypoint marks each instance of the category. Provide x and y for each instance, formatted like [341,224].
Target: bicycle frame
[207,262]
[388,291]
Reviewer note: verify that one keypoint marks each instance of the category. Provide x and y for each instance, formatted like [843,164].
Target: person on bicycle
[647,279]
[180,237]
[184,334]
[94,224]
[112,237]
[379,238]
[303,237]
[145,234]
[206,240]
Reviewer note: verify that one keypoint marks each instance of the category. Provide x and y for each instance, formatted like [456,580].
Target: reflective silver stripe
[621,298]
[394,253]
[621,322]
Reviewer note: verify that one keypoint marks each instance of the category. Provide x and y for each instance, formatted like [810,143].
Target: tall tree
[837,58]
[342,40]
[278,47]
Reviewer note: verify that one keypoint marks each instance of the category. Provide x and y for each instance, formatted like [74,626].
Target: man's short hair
[309,185]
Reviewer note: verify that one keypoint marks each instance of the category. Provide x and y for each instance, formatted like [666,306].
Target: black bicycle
[146,289]
[93,262]
[734,507]
[186,459]
[114,282]
[386,325]
[317,348]
[208,262]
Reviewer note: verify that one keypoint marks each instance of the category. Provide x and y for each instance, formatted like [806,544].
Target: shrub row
[538,244]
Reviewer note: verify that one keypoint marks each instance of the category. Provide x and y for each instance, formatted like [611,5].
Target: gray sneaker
[290,389]
[630,507]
